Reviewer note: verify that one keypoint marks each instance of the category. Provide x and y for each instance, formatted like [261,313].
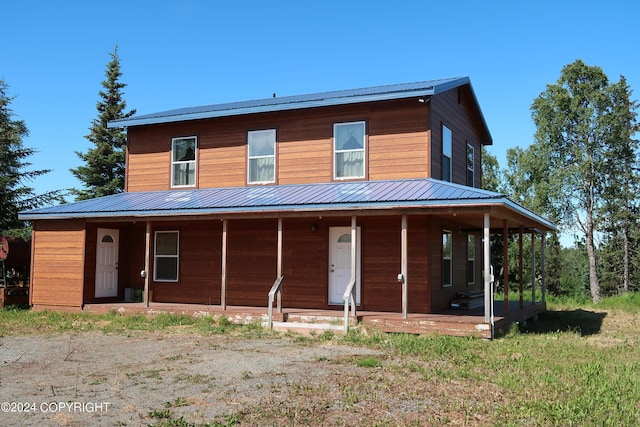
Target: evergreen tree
[104,164]
[15,194]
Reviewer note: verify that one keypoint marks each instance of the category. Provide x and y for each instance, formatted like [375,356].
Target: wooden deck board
[452,322]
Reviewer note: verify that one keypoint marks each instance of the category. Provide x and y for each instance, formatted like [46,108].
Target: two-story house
[379,187]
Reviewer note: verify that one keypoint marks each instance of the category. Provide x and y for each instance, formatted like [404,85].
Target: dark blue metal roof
[378,93]
[324,197]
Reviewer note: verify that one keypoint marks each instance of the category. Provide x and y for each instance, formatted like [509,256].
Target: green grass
[578,365]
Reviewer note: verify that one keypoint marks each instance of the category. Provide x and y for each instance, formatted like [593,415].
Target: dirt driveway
[98,379]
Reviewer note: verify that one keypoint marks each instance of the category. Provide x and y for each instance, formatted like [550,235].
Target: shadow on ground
[580,321]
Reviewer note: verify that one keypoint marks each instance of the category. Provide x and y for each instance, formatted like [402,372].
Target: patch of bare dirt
[96,379]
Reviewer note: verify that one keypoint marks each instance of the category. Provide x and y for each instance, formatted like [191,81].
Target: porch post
[505,267]
[533,267]
[354,253]
[147,262]
[403,267]
[543,272]
[279,265]
[521,266]
[223,284]
[488,274]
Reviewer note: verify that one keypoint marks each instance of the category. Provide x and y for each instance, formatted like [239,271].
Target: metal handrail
[275,289]
[349,296]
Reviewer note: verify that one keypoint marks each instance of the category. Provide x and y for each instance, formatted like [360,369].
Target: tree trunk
[625,258]
[594,282]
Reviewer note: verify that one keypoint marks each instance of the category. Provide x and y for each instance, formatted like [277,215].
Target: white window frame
[447,147]
[194,162]
[250,157]
[471,153]
[447,257]
[336,126]
[175,256]
[471,259]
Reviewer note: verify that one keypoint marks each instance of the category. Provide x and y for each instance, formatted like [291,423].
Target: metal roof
[322,197]
[378,93]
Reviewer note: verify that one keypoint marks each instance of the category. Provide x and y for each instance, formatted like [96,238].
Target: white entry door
[107,263]
[340,263]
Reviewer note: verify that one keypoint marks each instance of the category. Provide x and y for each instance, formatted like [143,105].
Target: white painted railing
[275,289]
[349,297]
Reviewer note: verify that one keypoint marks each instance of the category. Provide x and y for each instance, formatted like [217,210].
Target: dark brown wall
[456,110]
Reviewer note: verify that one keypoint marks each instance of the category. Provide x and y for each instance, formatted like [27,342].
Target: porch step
[305,328]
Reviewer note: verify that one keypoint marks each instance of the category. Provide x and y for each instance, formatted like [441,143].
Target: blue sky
[195,52]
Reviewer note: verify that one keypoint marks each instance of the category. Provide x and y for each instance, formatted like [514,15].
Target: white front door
[107,263]
[340,263]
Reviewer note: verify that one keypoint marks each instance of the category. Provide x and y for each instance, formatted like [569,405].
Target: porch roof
[276,199]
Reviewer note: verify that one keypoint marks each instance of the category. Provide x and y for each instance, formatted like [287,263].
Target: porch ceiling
[412,196]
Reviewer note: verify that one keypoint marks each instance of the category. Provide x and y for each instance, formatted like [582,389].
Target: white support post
[404,267]
[279,266]
[223,279]
[488,273]
[147,262]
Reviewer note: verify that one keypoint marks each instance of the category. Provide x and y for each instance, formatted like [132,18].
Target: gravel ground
[97,379]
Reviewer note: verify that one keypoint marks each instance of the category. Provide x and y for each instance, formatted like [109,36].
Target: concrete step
[306,328]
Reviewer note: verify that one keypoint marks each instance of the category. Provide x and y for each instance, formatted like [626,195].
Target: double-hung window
[446,153]
[470,165]
[262,156]
[166,256]
[349,150]
[183,161]
[447,249]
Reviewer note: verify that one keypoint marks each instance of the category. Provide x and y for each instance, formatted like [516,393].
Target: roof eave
[269,108]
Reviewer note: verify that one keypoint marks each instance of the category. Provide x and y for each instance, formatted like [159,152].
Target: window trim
[471,167]
[363,149]
[156,256]
[274,156]
[447,155]
[194,161]
[450,258]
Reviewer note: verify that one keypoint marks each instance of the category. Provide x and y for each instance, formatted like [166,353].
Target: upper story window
[183,161]
[262,156]
[470,166]
[348,150]
[446,153]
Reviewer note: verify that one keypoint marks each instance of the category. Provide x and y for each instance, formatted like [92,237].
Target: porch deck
[450,322]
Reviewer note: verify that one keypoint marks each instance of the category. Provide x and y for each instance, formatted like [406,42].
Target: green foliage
[104,164]
[492,178]
[15,193]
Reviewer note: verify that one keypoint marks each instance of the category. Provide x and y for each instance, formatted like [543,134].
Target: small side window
[447,242]
[447,140]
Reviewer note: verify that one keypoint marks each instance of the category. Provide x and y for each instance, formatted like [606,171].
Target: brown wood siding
[199,264]
[251,261]
[463,121]
[58,263]
[397,145]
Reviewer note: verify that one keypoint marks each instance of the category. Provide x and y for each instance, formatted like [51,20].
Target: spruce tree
[15,194]
[104,164]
